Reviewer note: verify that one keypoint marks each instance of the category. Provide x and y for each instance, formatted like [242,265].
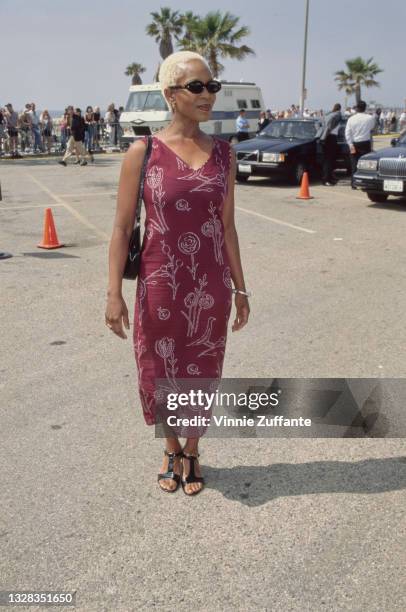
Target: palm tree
[189,20]
[165,24]
[216,35]
[135,70]
[359,72]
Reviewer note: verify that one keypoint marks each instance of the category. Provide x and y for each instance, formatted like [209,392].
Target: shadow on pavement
[257,485]
[397,205]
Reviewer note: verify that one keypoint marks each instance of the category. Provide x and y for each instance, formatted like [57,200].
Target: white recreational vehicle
[147,111]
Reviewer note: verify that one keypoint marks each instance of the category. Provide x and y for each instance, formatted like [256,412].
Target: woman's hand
[243,311]
[116,315]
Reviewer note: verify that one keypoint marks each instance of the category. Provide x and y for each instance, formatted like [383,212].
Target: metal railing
[99,137]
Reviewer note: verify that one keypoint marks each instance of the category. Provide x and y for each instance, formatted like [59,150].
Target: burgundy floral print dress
[184,291]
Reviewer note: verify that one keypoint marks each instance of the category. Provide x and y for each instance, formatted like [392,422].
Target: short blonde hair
[173,66]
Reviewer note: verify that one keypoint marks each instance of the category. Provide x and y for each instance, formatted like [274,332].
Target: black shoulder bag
[132,264]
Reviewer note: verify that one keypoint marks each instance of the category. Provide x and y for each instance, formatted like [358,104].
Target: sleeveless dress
[184,291]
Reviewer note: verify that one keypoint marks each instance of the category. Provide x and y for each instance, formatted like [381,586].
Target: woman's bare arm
[233,249]
[230,232]
[125,215]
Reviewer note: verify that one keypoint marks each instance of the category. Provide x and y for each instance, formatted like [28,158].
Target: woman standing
[46,124]
[110,120]
[190,255]
[3,135]
[96,120]
[90,129]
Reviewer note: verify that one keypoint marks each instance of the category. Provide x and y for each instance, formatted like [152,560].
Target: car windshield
[302,130]
[146,101]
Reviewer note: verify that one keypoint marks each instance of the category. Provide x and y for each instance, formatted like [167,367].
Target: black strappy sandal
[170,473]
[191,477]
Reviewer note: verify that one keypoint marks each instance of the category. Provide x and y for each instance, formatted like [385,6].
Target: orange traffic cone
[50,238]
[304,193]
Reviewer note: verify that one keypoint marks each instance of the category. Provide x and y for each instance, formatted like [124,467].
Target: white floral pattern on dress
[154,180]
[165,348]
[220,165]
[164,271]
[181,164]
[207,342]
[189,244]
[196,301]
[163,313]
[227,277]
[139,350]
[205,181]
[213,229]
[148,403]
[182,205]
[193,369]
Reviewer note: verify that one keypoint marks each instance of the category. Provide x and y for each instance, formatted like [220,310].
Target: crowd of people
[360,125]
[83,133]
[387,121]
[26,131]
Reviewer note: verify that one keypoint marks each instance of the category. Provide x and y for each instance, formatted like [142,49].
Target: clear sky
[60,52]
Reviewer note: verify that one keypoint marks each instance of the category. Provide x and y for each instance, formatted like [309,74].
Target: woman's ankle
[173,445]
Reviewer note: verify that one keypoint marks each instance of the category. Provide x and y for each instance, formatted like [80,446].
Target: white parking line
[58,199]
[28,206]
[345,194]
[70,208]
[278,221]
[84,195]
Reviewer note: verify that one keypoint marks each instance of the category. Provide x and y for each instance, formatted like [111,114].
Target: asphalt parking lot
[283,524]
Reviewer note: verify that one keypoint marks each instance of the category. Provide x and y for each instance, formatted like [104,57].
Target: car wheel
[241,178]
[298,171]
[377,197]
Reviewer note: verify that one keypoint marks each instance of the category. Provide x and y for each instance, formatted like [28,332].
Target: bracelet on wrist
[247,293]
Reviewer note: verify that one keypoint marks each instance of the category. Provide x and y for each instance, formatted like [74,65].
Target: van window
[242,104]
[255,104]
[146,101]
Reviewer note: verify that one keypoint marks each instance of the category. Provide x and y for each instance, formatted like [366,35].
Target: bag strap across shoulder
[141,185]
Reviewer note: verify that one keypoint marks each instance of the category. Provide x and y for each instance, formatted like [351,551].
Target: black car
[383,173]
[286,148]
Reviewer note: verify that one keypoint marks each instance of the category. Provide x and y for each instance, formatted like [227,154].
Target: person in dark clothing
[75,142]
[379,121]
[328,141]
[263,122]
[78,126]
[96,119]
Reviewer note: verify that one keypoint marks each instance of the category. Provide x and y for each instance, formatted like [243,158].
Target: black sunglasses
[196,87]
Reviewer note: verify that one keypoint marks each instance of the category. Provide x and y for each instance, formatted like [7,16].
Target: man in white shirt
[36,133]
[242,126]
[358,134]
[402,121]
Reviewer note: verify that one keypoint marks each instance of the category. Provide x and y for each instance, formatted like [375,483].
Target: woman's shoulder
[221,142]
[137,148]
[226,148]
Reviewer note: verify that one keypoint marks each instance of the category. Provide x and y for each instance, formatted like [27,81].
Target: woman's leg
[172,446]
[70,149]
[91,138]
[191,448]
